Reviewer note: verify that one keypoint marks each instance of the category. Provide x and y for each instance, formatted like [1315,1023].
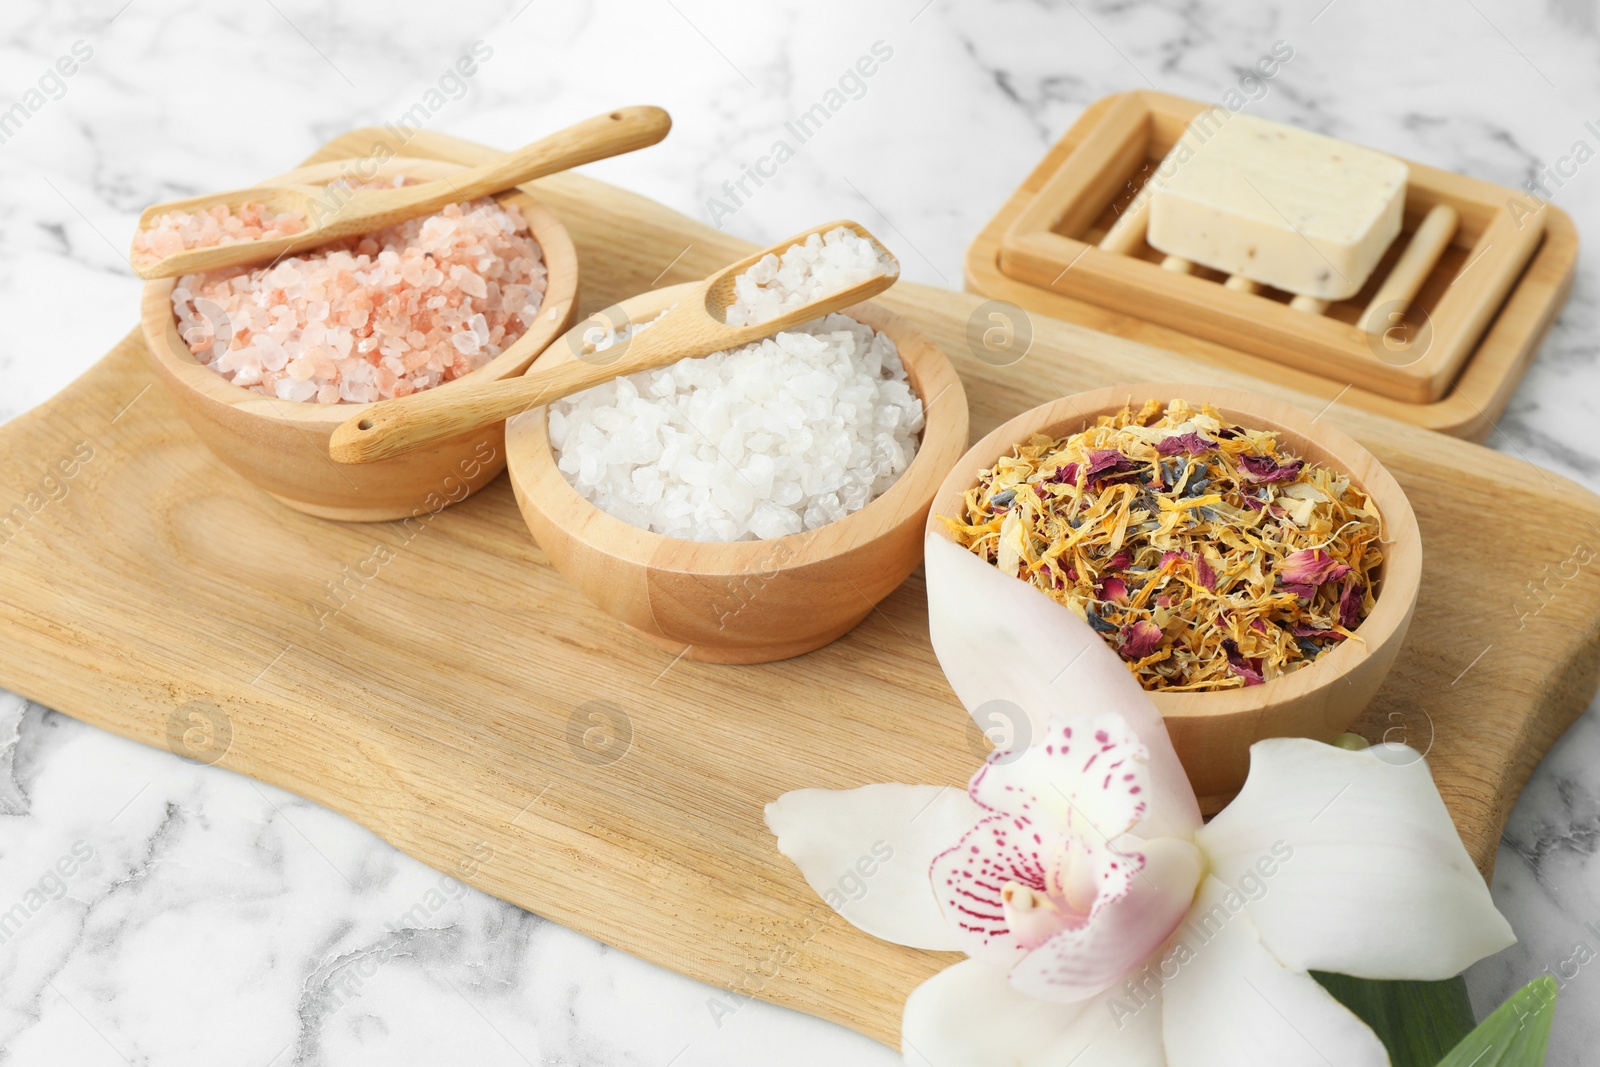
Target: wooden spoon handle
[626,129]
[394,427]
[601,137]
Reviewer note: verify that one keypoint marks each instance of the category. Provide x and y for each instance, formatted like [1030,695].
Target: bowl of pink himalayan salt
[266,361]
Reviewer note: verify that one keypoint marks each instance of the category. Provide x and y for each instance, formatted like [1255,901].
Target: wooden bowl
[1213,731]
[282,446]
[743,601]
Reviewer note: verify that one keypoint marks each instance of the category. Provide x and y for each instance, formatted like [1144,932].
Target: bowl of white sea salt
[753,504]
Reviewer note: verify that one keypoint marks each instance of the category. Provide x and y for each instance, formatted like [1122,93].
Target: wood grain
[1410,272]
[1474,394]
[454,697]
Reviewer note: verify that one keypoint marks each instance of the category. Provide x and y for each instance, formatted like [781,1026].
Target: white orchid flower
[1105,924]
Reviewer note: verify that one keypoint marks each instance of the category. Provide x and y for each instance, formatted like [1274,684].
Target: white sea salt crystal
[824,263]
[769,520]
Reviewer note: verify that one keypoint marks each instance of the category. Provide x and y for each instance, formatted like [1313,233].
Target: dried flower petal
[1141,639]
[1248,669]
[1350,604]
[1311,567]
[1190,442]
[1266,469]
[1067,474]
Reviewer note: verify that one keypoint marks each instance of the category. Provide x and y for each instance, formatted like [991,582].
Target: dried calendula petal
[1202,551]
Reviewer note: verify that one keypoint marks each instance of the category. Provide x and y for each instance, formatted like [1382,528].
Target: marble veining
[179,914]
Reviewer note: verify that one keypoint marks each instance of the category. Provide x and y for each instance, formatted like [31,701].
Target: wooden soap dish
[1077,229]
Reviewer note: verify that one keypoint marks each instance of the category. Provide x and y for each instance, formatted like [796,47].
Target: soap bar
[1281,206]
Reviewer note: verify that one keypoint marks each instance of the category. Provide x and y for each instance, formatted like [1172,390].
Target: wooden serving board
[458,698]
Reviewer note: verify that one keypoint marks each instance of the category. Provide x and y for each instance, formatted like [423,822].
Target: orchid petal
[969,879]
[1000,639]
[1362,871]
[967,1016]
[1084,962]
[867,852]
[1011,885]
[1089,777]
[1226,1002]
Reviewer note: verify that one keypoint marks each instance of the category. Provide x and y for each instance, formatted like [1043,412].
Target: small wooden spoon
[695,326]
[365,210]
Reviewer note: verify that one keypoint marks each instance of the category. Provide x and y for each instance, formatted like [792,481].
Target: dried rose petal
[1311,567]
[1248,669]
[1140,639]
[1067,474]
[1114,590]
[1192,443]
[1350,604]
[1262,469]
[1107,466]
[1106,459]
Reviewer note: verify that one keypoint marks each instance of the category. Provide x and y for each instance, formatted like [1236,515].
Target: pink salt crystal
[386,314]
[179,231]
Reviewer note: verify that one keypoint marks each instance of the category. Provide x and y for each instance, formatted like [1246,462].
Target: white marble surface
[216,920]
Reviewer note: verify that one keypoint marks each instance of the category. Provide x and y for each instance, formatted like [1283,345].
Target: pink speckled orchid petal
[1087,775]
[969,882]
[1000,639]
[1142,906]
[867,852]
[969,1016]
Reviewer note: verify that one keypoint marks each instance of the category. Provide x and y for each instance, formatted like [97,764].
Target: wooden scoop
[329,217]
[695,326]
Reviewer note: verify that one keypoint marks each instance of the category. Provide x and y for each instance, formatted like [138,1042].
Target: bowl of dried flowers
[1255,568]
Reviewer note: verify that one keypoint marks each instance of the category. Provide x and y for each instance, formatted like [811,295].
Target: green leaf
[1418,1022]
[1515,1034]
[1429,1024]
